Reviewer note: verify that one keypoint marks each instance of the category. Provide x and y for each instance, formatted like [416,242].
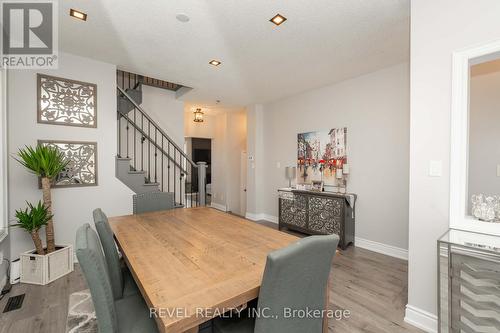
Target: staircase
[148,160]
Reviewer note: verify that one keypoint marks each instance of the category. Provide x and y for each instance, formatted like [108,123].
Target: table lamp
[290,173]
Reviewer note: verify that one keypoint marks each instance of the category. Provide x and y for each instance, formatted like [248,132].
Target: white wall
[72,206]
[255,166]
[375,109]
[484,129]
[167,111]
[228,143]
[236,144]
[437,29]
[219,161]
[205,130]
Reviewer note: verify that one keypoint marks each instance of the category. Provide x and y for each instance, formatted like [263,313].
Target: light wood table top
[193,259]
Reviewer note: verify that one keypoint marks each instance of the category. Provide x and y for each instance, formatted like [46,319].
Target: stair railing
[154,152]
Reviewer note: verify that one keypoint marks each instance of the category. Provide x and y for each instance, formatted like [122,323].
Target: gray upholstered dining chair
[153,201]
[126,315]
[295,277]
[122,282]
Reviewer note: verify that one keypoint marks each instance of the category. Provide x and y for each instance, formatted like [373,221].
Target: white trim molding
[419,318]
[218,206]
[388,250]
[261,216]
[462,60]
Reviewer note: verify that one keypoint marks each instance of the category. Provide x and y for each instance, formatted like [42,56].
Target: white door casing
[462,60]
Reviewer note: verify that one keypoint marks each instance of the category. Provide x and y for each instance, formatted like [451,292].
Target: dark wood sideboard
[318,213]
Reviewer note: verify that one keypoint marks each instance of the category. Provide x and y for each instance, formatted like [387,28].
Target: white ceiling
[323,42]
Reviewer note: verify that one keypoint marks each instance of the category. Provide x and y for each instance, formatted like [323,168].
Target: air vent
[14,303]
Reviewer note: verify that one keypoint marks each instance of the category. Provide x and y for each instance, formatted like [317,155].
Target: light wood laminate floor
[372,286]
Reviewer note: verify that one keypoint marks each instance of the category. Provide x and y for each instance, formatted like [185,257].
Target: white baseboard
[270,218]
[251,216]
[389,250]
[261,216]
[421,319]
[218,206]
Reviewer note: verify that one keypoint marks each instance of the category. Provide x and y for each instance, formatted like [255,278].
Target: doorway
[201,151]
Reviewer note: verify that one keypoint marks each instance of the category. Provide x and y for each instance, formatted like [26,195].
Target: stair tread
[151,184]
[133,172]
[123,158]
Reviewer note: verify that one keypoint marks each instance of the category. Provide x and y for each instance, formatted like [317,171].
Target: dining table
[193,264]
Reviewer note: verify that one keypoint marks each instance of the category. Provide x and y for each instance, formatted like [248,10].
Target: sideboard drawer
[325,215]
[293,211]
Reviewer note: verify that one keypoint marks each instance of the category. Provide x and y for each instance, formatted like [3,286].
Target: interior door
[243,183]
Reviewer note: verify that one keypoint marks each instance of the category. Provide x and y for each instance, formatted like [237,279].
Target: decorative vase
[486,208]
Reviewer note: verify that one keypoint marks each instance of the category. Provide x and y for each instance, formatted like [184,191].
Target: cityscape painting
[320,154]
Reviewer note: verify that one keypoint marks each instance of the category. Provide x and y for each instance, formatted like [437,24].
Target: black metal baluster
[119,136]
[162,169]
[181,174]
[156,153]
[149,152]
[175,175]
[126,135]
[185,186]
[142,142]
[191,184]
[168,167]
[135,141]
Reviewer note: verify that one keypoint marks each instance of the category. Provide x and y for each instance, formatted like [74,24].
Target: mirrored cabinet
[469,282]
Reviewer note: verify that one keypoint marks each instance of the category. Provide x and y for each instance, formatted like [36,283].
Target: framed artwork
[66,102]
[82,168]
[320,155]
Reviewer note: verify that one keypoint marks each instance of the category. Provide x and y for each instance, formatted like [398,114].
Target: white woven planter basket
[43,269]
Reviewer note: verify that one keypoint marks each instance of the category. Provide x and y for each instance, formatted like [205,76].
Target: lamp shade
[345,169]
[290,172]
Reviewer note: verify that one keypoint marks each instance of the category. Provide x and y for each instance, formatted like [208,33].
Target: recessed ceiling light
[214,62]
[77,14]
[278,19]
[182,18]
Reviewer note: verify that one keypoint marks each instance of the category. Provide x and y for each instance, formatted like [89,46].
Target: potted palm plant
[32,219]
[43,265]
[47,163]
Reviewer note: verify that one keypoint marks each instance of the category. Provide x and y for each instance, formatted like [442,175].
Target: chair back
[153,201]
[110,252]
[296,278]
[91,260]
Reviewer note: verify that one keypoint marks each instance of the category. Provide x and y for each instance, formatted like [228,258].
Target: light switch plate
[498,170]
[278,165]
[435,168]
